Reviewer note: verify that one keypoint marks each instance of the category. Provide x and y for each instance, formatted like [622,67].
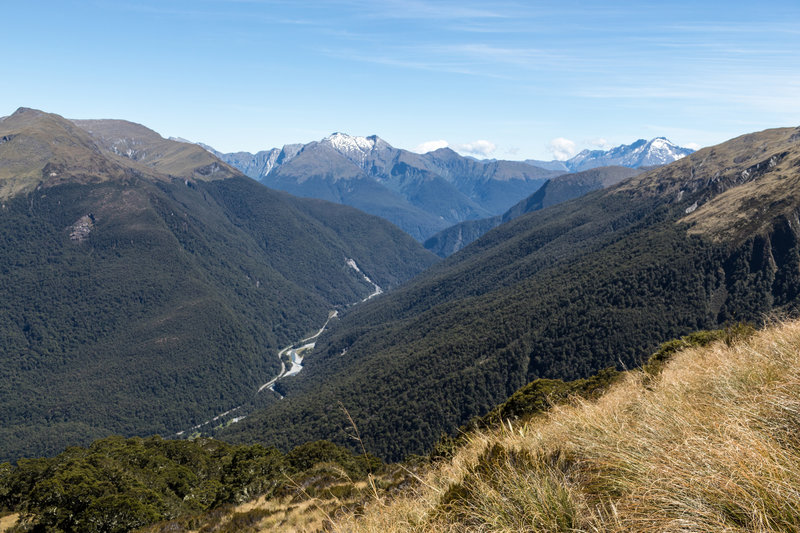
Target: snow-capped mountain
[423,193]
[356,149]
[642,153]
[420,193]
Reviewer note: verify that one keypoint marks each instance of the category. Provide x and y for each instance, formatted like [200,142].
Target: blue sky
[510,80]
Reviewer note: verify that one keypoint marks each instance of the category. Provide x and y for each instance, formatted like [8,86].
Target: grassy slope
[143,145]
[711,444]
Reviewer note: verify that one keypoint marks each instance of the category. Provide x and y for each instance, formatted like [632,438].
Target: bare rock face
[79,231]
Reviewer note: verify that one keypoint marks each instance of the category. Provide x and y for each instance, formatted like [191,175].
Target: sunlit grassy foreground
[710,444]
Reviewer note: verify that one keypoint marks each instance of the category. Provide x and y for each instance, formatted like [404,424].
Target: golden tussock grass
[712,444]
[8,521]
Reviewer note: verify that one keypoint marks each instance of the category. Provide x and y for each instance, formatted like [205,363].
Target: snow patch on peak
[657,151]
[347,143]
[356,149]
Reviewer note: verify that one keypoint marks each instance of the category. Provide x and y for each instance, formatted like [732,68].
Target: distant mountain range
[420,193]
[642,153]
[585,172]
[423,193]
[146,286]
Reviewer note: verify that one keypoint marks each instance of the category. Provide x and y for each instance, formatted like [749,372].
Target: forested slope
[559,293]
[136,302]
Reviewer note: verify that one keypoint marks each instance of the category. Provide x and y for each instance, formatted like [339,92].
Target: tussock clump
[711,443]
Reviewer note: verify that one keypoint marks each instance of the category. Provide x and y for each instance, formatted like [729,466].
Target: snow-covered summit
[357,149]
[661,151]
[658,151]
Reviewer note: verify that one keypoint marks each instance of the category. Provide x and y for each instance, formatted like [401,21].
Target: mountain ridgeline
[554,191]
[420,193]
[642,153]
[560,292]
[147,285]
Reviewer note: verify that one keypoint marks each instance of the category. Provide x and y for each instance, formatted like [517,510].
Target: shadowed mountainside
[143,294]
[554,191]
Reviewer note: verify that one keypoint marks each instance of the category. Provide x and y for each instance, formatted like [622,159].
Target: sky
[506,80]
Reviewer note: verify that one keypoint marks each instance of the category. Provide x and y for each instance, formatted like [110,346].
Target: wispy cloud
[521,57]
[475,59]
[758,90]
[562,149]
[430,146]
[419,62]
[480,147]
[740,28]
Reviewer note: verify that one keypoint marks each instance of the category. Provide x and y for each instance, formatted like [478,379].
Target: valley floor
[292,354]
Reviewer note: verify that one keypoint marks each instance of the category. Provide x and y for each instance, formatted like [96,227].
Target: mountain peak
[349,144]
[655,152]
[26,111]
[356,149]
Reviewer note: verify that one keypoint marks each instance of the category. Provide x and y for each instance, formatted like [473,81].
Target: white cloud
[600,143]
[693,146]
[480,147]
[561,148]
[430,146]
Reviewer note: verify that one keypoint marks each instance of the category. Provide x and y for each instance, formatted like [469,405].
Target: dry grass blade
[711,444]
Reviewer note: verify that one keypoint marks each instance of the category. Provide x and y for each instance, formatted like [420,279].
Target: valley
[292,355]
[559,292]
[153,289]
[400,267]
[182,279]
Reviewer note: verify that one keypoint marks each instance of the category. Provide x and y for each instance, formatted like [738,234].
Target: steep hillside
[138,143]
[711,444]
[569,186]
[562,292]
[554,191]
[137,301]
[496,185]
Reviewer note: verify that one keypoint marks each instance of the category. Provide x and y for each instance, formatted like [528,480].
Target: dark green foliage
[307,455]
[539,395]
[119,484]
[558,294]
[173,308]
